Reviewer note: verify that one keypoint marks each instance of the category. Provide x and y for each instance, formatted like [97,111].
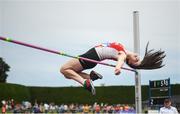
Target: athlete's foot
[94,75]
[88,85]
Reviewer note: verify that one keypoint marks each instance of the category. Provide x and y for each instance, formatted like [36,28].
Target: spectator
[52,108]
[72,108]
[17,108]
[42,108]
[76,108]
[61,109]
[65,108]
[97,109]
[104,109]
[12,103]
[3,109]
[3,102]
[26,107]
[80,108]
[86,108]
[36,108]
[168,109]
[46,107]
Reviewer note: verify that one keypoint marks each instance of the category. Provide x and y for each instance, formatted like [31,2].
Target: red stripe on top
[115,45]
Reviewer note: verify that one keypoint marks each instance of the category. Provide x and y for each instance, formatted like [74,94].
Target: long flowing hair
[152,59]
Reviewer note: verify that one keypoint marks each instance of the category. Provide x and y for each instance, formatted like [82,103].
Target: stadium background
[59,95]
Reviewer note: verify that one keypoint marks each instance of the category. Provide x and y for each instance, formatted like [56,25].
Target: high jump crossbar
[60,53]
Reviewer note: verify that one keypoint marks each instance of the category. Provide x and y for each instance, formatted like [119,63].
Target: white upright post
[138,98]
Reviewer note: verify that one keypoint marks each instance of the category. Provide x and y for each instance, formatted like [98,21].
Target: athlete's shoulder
[116,43]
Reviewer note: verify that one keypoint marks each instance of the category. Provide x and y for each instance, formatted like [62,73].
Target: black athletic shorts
[91,54]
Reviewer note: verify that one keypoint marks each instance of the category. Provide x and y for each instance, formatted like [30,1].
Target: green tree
[4,68]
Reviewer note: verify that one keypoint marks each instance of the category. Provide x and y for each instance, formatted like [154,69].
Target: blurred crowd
[27,107]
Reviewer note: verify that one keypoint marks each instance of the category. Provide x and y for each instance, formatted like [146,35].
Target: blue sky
[76,26]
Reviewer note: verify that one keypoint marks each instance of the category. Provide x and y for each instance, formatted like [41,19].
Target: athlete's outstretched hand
[117,71]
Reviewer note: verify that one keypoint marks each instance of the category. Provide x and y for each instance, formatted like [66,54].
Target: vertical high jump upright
[138,99]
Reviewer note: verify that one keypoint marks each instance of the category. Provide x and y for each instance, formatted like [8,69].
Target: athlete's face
[134,59]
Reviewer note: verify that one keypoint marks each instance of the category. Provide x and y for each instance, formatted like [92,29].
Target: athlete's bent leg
[70,70]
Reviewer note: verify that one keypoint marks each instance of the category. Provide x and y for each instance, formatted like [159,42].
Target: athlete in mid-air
[74,68]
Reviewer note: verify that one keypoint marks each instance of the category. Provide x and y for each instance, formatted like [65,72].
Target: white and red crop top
[109,50]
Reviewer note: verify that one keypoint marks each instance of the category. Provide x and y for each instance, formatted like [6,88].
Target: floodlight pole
[138,99]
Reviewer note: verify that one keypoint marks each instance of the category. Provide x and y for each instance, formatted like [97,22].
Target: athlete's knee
[64,71]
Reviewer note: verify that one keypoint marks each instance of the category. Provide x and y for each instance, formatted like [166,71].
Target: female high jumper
[74,68]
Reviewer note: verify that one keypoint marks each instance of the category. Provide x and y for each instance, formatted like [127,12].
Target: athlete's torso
[109,50]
